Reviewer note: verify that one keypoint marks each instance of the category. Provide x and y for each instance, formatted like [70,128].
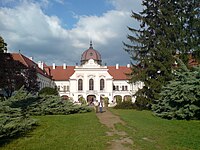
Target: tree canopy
[14,74]
[167,28]
[3,45]
[180,99]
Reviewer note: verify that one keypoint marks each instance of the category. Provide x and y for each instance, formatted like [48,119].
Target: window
[91,84]
[122,88]
[58,88]
[64,88]
[117,88]
[114,88]
[126,88]
[80,84]
[67,88]
[102,84]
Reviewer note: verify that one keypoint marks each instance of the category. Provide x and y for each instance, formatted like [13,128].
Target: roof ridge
[22,56]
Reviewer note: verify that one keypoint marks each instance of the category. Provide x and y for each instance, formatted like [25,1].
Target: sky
[59,31]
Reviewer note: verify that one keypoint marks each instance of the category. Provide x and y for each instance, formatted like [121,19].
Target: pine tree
[180,99]
[150,51]
[166,28]
[182,26]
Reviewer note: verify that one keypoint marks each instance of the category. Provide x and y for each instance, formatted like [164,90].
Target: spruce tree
[182,26]
[166,28]
[150,51]
[180,99]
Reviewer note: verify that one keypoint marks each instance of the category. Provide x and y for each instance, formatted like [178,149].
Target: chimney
[117,66]
[128,65]
[54,66]
[64,66]
[41,65]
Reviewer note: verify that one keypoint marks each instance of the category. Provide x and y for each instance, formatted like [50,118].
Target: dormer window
[91,54]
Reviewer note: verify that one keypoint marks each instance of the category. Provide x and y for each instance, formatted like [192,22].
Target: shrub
[82,100]
[54,105]
[48,91]
[106,101]
[125,105]
[118,99]
[13,120]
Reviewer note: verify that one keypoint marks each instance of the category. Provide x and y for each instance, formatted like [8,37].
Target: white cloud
[128,5]
[28,28]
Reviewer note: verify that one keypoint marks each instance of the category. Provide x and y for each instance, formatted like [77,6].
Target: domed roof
[91,54]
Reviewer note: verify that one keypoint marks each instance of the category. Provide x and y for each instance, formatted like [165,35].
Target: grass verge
[149,132]
[62,132]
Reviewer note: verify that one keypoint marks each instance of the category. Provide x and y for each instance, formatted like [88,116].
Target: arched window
[102,84]
[80,84]
[122,88]
[64,88]
[91,84]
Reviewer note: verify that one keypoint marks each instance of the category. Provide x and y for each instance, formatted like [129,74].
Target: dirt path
[122,142]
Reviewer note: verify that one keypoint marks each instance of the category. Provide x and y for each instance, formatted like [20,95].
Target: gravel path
[122,142]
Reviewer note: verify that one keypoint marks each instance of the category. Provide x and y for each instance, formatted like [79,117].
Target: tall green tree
[3,45]
[150,50]
[182,26]
[166,28]
[14,75]
[11,77]
[180,99]
[30,80]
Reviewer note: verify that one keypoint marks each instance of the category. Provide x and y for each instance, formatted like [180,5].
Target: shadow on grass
[6,140]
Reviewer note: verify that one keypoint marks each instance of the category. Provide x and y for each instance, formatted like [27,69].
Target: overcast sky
[59,31]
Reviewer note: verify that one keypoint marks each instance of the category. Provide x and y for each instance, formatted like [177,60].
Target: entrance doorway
[91,99]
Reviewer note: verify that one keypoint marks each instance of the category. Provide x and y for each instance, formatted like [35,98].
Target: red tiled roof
[60,74]
[28,63]
[120,73]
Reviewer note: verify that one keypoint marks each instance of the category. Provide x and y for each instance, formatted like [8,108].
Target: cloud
[28,28]
[128,5]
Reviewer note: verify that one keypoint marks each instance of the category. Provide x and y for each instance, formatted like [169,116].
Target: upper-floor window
[80,84]
[64,88]
[58,88]
[91,84]
[102,84]
[117,88]
[126,88]
[122,88]
[67,88]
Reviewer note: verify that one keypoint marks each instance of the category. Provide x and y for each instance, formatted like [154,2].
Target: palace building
[91,80]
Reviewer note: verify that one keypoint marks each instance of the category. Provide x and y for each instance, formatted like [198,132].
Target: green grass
[83,131]
[149,132]
[63,132]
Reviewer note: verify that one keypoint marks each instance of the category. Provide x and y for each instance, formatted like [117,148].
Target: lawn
[83,131]
[149,132]
[63,132]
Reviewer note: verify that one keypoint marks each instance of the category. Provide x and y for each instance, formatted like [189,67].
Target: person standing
[96,104]
[100,107]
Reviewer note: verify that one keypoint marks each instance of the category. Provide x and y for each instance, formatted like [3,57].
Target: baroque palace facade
[90,80]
